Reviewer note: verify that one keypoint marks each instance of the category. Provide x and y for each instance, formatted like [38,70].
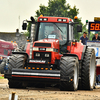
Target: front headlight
[49,49]
[37,54]
[46,55]
[35,49]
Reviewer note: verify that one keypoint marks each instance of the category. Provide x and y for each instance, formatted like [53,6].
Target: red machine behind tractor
[52,56]
[6,49]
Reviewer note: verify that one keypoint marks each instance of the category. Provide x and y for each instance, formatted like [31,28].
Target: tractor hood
[47,43]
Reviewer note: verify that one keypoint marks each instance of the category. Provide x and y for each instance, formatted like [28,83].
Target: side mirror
[79,28]
[24,26]
[32,19]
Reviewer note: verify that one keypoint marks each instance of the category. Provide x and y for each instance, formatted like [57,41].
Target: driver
[56,31]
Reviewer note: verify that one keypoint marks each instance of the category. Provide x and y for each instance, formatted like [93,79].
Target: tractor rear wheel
[88,71]
[15,61]
[69,70]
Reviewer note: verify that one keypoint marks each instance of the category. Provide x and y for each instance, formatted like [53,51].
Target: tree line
[60,8]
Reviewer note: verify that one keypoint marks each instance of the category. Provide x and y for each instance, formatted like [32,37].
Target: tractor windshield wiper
[58,27]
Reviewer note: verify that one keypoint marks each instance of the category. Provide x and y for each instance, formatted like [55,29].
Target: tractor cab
[60,28]
[53,29]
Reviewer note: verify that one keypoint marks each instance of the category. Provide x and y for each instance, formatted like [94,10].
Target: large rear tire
[88,72]
[15,61]
[69,67]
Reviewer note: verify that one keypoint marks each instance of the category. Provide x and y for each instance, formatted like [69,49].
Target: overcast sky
[10,10]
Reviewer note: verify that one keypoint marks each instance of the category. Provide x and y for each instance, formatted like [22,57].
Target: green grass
[1,77]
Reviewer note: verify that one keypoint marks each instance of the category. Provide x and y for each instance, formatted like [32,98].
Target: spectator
[96,37]
[84,38]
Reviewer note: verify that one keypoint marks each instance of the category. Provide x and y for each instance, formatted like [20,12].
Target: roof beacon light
[75,18]
[41,15]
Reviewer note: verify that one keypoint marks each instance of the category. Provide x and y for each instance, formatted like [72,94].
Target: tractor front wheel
[69,69]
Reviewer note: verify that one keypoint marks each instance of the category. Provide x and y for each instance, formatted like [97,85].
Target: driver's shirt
[94,39]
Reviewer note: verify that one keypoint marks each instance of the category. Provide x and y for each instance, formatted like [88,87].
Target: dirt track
[47,93]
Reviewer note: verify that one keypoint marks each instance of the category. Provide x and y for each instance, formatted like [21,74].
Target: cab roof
[54,19]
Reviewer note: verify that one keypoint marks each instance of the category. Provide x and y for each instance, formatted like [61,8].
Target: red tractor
[51,57]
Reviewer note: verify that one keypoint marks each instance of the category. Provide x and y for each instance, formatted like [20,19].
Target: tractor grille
[43,44]
[42,56]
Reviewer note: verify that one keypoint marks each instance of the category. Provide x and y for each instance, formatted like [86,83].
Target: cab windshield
[53,31]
